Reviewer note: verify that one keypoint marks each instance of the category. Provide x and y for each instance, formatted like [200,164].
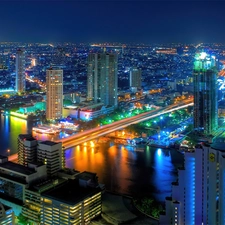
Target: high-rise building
[135,78]
[54,95]
[15,178]
[198,195]
[102,79]
[27,149]
[50,153]
[20,71]
[205,94]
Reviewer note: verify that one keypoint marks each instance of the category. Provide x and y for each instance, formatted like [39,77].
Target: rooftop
[70,192]
[87,175]
[50,143]
[3,157]
[17,168]
[27,137]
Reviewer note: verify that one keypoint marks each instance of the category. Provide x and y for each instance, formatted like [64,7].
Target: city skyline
[112,21]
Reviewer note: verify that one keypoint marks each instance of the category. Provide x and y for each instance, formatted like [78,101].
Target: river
[123,169]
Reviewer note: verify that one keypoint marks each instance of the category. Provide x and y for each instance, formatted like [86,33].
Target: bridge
[94,133]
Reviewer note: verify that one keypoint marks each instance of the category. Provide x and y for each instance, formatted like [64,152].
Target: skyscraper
[135,78]
[54,95]
[102,78]
[205,94]
[198,195]
[20,71]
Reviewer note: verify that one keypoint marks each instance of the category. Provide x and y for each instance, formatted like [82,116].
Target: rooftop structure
[70,204]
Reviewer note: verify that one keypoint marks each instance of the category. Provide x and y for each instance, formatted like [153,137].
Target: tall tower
[102,83]
[54,95]
[205,94]
[135,78]
[20,71]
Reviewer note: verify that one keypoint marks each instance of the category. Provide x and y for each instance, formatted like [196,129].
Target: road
[94,133]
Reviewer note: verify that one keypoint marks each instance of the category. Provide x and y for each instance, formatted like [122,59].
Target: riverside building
[205,94]
[198,195]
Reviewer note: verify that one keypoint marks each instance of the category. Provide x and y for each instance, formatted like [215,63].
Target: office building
[205,94]
[32,204]
[102,79]
[27,149]
[6,215]
[70,204]
[135,78]
[50,153]
[14,178]
[54,95]
[20,71]
[198,195]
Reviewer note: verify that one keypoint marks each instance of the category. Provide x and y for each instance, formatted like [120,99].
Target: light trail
[94,133]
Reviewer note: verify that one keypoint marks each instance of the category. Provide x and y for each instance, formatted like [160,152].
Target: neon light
[18,115]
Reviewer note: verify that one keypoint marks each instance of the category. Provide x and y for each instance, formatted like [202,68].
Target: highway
[94,133]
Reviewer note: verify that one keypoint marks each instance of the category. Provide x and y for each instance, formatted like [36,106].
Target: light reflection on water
[126,170]
[122,169]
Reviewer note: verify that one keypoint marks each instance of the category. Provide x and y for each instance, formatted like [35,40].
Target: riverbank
[119,209]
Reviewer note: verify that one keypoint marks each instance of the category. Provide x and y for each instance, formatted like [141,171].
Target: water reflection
[126,170]
[123,169]
[10,128]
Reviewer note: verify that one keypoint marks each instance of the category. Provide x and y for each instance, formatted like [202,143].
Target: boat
[43,130]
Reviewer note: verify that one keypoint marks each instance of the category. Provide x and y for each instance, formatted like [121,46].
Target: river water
[123,169]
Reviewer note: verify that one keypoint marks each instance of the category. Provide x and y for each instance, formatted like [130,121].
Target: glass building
[205,94]
[102,81]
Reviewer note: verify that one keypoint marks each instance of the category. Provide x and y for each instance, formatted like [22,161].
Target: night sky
[112,21]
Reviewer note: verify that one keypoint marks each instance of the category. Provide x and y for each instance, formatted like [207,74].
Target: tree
[22,219]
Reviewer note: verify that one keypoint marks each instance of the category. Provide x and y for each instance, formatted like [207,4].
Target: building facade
[27,149]
[205,94]
[70,204]
[6,215]
[54,95]
[50,153]
[198,195]
[135,78]
[20,71]
[102,78]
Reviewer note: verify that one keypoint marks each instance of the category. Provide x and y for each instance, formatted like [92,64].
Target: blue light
[159,151]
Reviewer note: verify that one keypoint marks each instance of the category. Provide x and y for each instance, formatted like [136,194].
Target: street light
[8,150]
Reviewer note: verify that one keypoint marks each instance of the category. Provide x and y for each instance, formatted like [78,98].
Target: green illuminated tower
[205,94]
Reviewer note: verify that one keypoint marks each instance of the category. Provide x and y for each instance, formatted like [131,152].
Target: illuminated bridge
[94,133]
